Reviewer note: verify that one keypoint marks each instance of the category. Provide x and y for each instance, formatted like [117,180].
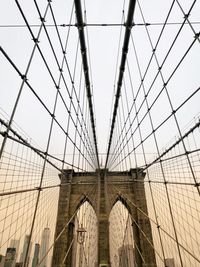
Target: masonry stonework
[102,189]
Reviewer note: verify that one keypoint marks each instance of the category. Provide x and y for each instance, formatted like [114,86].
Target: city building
[36,255]
[44,246]
[10,257]
[169,262]
[14,243]
[24,252]
[126,256]
[2,260]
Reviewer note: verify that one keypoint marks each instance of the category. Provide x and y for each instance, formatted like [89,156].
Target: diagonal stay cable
[64,48]
[72,79]
[36,40]
[164,121]
[116,68]
[80,26]
[39,99]
[21,86]
[121,70]
[145,73]
[82,199]
[158,72]
[187,250]
[164,85]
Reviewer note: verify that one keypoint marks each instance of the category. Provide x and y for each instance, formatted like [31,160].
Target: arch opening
[85,245]
[121,236]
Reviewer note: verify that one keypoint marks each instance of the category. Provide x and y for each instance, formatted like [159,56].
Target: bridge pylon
[102,189]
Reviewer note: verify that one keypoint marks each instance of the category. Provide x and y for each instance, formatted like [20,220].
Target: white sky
[103,44]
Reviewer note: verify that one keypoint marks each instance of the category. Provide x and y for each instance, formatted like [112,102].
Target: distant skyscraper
[2,260]
[23,255]
[169,262]
[36,255]
[14,243]
[44,246]
[10,257]
[126,256]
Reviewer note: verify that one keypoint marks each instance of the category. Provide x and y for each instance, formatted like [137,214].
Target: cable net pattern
[48,121]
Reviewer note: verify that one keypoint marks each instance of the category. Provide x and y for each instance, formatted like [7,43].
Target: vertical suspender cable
[128,25]
[80,26]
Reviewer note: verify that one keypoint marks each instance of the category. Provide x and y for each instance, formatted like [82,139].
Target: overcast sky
[103,50]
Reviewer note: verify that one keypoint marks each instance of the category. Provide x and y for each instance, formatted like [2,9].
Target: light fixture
[81,234]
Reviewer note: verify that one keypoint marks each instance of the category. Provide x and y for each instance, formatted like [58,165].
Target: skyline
[36,253]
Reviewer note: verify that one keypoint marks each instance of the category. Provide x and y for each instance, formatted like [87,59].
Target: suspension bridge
[99,133]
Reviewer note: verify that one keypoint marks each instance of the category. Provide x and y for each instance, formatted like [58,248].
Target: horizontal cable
[158,226]
[41,102]
[67,223]
[41,153]
[121,72]
[197,125]
[161,124]
[28,190]
[97,24]
[86,70]
[157,74]
[36,41]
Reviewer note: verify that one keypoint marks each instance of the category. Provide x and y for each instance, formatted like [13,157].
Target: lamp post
[81,234]
[80,239]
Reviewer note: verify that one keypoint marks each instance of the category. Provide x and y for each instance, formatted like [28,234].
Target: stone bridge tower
[108,188]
